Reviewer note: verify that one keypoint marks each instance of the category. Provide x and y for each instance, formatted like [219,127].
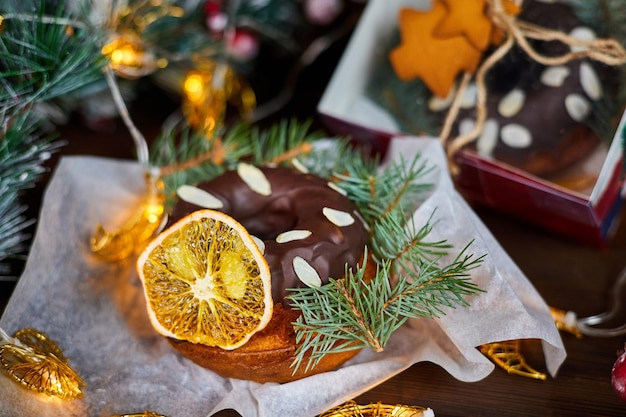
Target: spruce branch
[330,157]
[12,227]
[395,237]
[23,152]
[42,59]
[272,144]
[186,156]
[412,280]
[352,313]
[380,194]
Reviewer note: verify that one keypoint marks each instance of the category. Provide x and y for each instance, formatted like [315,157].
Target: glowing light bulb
[194,87]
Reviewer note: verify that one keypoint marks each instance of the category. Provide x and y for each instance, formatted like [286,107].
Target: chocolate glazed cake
[308,231]
[536,114]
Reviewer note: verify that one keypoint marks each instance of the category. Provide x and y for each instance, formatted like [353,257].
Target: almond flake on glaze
[199,197]
[466,126]
[582,33]
[254,178]
[336,188]
[306,273]
[488,139]
[437,103]
[292,235]
[516,136]
[260,244]
[512,103]
[338,217]
[469,97]
[554,76]
[590,81]
[299,166]
[577,107]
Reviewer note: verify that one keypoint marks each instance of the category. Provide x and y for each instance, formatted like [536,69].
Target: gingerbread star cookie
[436,60]
[466,18]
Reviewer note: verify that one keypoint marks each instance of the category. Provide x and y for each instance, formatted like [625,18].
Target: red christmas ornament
[244,45]
[618,375]
[216,18]
[212,7]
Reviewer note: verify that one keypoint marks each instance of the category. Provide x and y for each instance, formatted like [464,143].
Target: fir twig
[351,313]
[12,227]
[41,59]
[272,144]
[23,152]
[395,237]
[397,188]
[412,280]
[186,156]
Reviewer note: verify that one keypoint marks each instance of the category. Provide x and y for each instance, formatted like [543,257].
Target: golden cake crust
[267,357]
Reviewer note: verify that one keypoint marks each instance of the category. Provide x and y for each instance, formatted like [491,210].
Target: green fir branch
[24,149]
[41,60]
[177,145]
[330,158]
[412,278]
[395,237]
[13,227]
[378,194]
[273,143]
[351,313]
[45,55]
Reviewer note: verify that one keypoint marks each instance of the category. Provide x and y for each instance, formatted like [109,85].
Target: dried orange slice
[206,281]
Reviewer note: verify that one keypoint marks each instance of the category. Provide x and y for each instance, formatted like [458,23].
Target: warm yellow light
[194,87]
[123,52]
[154,212]
[117,56]
[129,57]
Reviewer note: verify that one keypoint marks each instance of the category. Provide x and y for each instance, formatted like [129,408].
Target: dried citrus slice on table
[206,281]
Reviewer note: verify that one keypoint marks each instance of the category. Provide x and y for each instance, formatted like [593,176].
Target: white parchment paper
[96,312]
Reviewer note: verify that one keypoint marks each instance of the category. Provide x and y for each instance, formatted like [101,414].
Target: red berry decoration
[618,375]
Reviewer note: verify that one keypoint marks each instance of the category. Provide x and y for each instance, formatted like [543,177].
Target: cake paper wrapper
[96,311]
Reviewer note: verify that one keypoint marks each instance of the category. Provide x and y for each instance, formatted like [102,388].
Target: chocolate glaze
[295,203]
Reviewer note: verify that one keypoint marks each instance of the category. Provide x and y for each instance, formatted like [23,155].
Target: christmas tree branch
[48,20]
[42,58]
[412,278]
[23,151]
[352,313]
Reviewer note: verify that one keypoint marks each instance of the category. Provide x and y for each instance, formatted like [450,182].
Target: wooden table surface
[568,275]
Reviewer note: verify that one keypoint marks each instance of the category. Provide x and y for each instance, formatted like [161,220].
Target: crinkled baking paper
[96,311]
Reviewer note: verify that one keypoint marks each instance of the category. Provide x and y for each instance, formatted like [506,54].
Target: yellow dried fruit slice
[206,281]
